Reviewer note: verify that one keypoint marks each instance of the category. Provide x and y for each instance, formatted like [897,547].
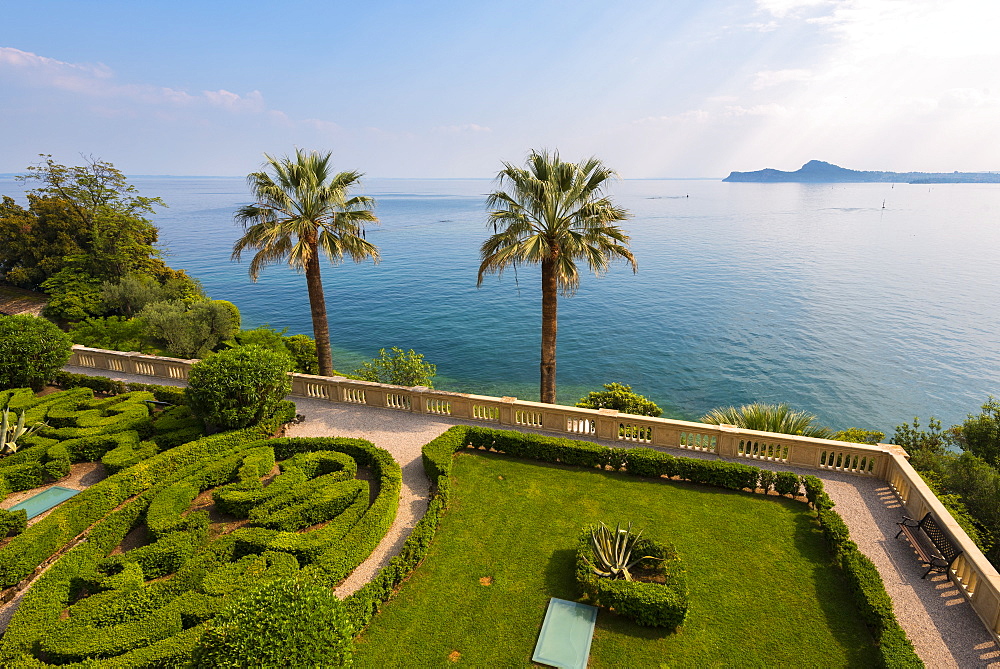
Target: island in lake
[817,171]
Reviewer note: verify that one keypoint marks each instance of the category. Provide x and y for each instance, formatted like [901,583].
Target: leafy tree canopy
[981,434]
[31,351]
[86,215]
[399,368]
[860,436]
[238,387]
[620,397]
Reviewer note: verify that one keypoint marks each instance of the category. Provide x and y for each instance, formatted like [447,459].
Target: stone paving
[943,627]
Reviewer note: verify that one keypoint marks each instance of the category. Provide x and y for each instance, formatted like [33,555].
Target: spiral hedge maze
[118,431]
[181,538]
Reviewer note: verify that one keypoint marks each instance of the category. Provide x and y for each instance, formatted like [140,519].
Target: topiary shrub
[305,626]
[651,604]
[787,483]
[32,350]
[12,522]
[239,387]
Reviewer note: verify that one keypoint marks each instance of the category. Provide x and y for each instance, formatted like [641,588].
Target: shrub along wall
[106,386]
[860,573]
[314,519]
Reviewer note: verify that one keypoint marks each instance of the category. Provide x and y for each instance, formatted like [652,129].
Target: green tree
[553,213]
[113,333]
[860,436]
[399,368]
[302,209]
[32,350]
[238,387]
[300,348]
[779,418]
[127,296]
[73,293]
[620,397]
[188,330]
[980,434]
[977,483]
[87,215]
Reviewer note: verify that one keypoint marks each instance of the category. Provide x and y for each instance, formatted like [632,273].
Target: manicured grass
[763,589]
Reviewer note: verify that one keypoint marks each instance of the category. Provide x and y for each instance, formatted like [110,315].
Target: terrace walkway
[942,625]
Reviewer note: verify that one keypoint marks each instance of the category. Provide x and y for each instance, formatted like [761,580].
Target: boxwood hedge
[107,609]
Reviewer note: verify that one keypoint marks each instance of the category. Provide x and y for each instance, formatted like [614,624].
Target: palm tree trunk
[549,326]
[317,305]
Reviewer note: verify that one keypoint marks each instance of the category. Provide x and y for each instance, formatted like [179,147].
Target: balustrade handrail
[80,353]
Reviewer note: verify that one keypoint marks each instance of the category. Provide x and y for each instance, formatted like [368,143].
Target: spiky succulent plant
[10,431]
[612,551]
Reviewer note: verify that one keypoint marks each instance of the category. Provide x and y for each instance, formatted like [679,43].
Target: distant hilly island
[817,171]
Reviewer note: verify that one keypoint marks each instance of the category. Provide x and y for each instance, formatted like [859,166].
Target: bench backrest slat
[940,538]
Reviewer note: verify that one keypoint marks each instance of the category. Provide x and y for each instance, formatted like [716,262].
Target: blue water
[811,294]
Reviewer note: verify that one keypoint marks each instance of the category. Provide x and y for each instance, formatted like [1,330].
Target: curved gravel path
[943,627]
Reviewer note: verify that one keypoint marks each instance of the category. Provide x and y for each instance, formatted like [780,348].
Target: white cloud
[769,78]
[15,58]
[252,102]
[784,8]
[98,82]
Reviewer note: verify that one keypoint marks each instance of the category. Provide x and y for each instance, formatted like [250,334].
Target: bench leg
[928,571]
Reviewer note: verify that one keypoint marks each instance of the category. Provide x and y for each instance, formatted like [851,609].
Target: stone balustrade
[977,578]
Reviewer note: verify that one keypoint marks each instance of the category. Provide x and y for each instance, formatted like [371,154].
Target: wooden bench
[931,542]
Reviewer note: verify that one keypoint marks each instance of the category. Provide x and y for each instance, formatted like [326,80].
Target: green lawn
[763,589]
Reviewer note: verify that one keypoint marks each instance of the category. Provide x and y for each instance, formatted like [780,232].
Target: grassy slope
[763,592]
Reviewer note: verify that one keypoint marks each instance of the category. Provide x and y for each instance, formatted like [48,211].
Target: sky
[685,88]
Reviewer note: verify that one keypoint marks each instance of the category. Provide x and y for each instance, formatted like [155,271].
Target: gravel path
[942,625]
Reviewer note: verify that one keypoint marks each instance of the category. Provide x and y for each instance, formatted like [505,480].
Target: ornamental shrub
[399,368]
[32,350]
[238,387]
[649,604]
[620,397]
[293,622]
[787,483]
[779,418]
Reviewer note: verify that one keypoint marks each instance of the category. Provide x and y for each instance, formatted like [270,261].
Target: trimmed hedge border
[874,603]
[25,552]
[102,384]
[140,623]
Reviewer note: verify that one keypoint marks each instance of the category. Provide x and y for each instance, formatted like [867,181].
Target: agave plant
[10,432]
[613,551]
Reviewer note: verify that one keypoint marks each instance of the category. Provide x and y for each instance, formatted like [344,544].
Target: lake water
[866,304]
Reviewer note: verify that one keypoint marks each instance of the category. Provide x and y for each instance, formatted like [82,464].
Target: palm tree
[779,418]
[300,210]
[553,213]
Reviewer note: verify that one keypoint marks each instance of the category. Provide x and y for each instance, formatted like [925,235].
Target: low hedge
[26,551]
[116,617]
[873,602]
[106,386]
[648,604]
[12,522]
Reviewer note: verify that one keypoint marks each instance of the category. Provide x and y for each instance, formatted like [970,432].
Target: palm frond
[301,208]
